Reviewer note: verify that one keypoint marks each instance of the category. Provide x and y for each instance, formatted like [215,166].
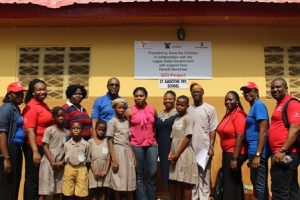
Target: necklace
[165,115]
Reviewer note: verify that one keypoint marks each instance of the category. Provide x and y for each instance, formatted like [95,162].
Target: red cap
[249,85]
[15,87]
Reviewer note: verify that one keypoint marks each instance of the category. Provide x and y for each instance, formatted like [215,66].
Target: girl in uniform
[100,160]
[183,167]
[52,163]
[123,177]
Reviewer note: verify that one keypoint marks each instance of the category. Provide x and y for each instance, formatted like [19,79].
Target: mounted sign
[173,83]
[173,59]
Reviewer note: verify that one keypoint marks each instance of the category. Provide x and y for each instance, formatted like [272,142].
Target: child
[51,167]
[100,160]
[77,152]
[183,167]
[123,177]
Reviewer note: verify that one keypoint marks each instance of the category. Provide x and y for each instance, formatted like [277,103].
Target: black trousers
[284,179]
[31,185]
[232,179]
[9,183]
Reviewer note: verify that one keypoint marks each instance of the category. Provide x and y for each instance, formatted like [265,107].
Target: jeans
[259,178]
[284,179]
[146,168]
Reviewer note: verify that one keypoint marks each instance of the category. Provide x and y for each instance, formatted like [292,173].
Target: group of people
[254,137]
[70,155]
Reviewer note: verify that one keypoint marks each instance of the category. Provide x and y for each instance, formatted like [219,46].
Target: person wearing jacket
[12,136]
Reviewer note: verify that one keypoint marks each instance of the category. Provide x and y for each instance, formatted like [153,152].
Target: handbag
[218,189]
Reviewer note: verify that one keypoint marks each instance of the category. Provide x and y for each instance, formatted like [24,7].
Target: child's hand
[134,160]
[170,157]
[115,166]
[55,165]
[61,163]
[95,173]
[173,158]
[103,173]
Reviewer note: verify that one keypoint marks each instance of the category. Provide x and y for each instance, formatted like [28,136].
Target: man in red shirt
[285,153]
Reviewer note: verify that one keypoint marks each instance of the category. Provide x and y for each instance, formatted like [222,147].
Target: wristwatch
[257,154]
[283,150]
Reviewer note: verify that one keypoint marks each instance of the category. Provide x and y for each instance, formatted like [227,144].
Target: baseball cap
[15,87]
[249,85]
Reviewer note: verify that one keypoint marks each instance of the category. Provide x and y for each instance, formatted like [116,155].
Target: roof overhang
[152,13]
[61,3]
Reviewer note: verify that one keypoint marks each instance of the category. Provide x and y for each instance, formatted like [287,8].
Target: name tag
[81,158]
[105,150]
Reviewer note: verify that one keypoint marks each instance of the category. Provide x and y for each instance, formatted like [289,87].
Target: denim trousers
[146,168]
[284,178]
[259,178]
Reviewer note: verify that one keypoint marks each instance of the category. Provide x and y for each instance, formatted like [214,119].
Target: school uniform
[125,178]
[50,180]
[185,169]
[75,179]
[98,155]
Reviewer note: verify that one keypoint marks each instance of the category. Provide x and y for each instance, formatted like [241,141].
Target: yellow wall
[237,57]
[237,53]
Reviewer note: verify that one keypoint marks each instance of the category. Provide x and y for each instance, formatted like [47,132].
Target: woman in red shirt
[37,117]
[231,131]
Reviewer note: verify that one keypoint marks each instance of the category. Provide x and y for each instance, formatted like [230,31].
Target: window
[57,66]
[283,62]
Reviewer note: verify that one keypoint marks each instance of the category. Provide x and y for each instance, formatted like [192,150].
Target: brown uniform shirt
[77,153]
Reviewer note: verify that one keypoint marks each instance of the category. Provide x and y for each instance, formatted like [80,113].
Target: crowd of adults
[253,137]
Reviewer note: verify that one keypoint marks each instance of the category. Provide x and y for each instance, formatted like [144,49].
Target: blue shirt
[257,112]
[102,109]
[9,114]
[19,137]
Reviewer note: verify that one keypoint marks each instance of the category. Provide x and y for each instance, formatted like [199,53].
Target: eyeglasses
[77,93]
[114,84]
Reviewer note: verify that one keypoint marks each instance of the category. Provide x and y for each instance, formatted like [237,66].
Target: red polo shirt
[37,115]
[233,123]
[277,131]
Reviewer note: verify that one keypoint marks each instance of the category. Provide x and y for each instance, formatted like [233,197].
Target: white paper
[202,158]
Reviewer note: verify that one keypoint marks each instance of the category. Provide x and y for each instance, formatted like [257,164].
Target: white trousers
[202,190]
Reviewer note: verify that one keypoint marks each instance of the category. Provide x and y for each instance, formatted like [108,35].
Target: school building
[89,41]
